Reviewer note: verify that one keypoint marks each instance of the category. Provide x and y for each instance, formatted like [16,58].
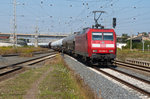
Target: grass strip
[63,83]
[23,51]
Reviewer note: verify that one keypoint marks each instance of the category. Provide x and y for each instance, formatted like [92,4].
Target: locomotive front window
[108,36]
[96,36]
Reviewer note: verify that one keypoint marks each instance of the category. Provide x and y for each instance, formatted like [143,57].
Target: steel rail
[10,71]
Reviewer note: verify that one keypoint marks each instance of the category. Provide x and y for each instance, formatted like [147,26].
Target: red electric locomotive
[97,45]
[94,45]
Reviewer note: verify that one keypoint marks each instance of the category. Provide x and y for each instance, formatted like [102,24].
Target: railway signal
[114,22]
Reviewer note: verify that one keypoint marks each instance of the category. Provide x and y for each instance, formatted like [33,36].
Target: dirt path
[33,91]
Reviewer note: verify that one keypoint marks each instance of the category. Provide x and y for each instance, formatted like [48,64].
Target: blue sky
[67,16]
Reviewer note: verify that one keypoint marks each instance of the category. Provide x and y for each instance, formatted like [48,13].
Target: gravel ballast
[135,82]
[104,86]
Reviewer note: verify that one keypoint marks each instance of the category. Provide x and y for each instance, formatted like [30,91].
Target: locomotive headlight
[111,51]
[94,50]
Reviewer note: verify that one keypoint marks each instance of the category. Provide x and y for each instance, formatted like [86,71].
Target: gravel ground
[104,86]
[14,59]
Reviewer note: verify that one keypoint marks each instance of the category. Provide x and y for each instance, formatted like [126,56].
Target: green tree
[137,45]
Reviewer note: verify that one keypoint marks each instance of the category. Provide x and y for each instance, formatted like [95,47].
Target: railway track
[145,92]
[132,66]
[7,70]
[129,65]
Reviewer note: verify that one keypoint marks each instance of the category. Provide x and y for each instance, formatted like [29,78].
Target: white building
[120,45]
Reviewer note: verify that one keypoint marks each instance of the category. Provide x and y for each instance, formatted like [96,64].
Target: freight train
[91,45]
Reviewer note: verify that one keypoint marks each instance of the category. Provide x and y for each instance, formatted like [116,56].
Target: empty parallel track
[19,66]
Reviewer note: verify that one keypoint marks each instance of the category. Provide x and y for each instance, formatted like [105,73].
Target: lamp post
[131,43]
[143,44]
[36,37]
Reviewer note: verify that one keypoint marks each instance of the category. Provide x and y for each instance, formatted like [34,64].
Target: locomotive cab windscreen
[96,36]
[108,36]
[102,36]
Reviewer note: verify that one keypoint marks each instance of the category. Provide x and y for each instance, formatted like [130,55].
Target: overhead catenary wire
[80,17]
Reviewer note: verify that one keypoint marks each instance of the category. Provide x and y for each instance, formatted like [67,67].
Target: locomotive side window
[96,36]
[108,36]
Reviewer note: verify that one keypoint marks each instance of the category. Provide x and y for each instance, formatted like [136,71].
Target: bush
[21,50]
